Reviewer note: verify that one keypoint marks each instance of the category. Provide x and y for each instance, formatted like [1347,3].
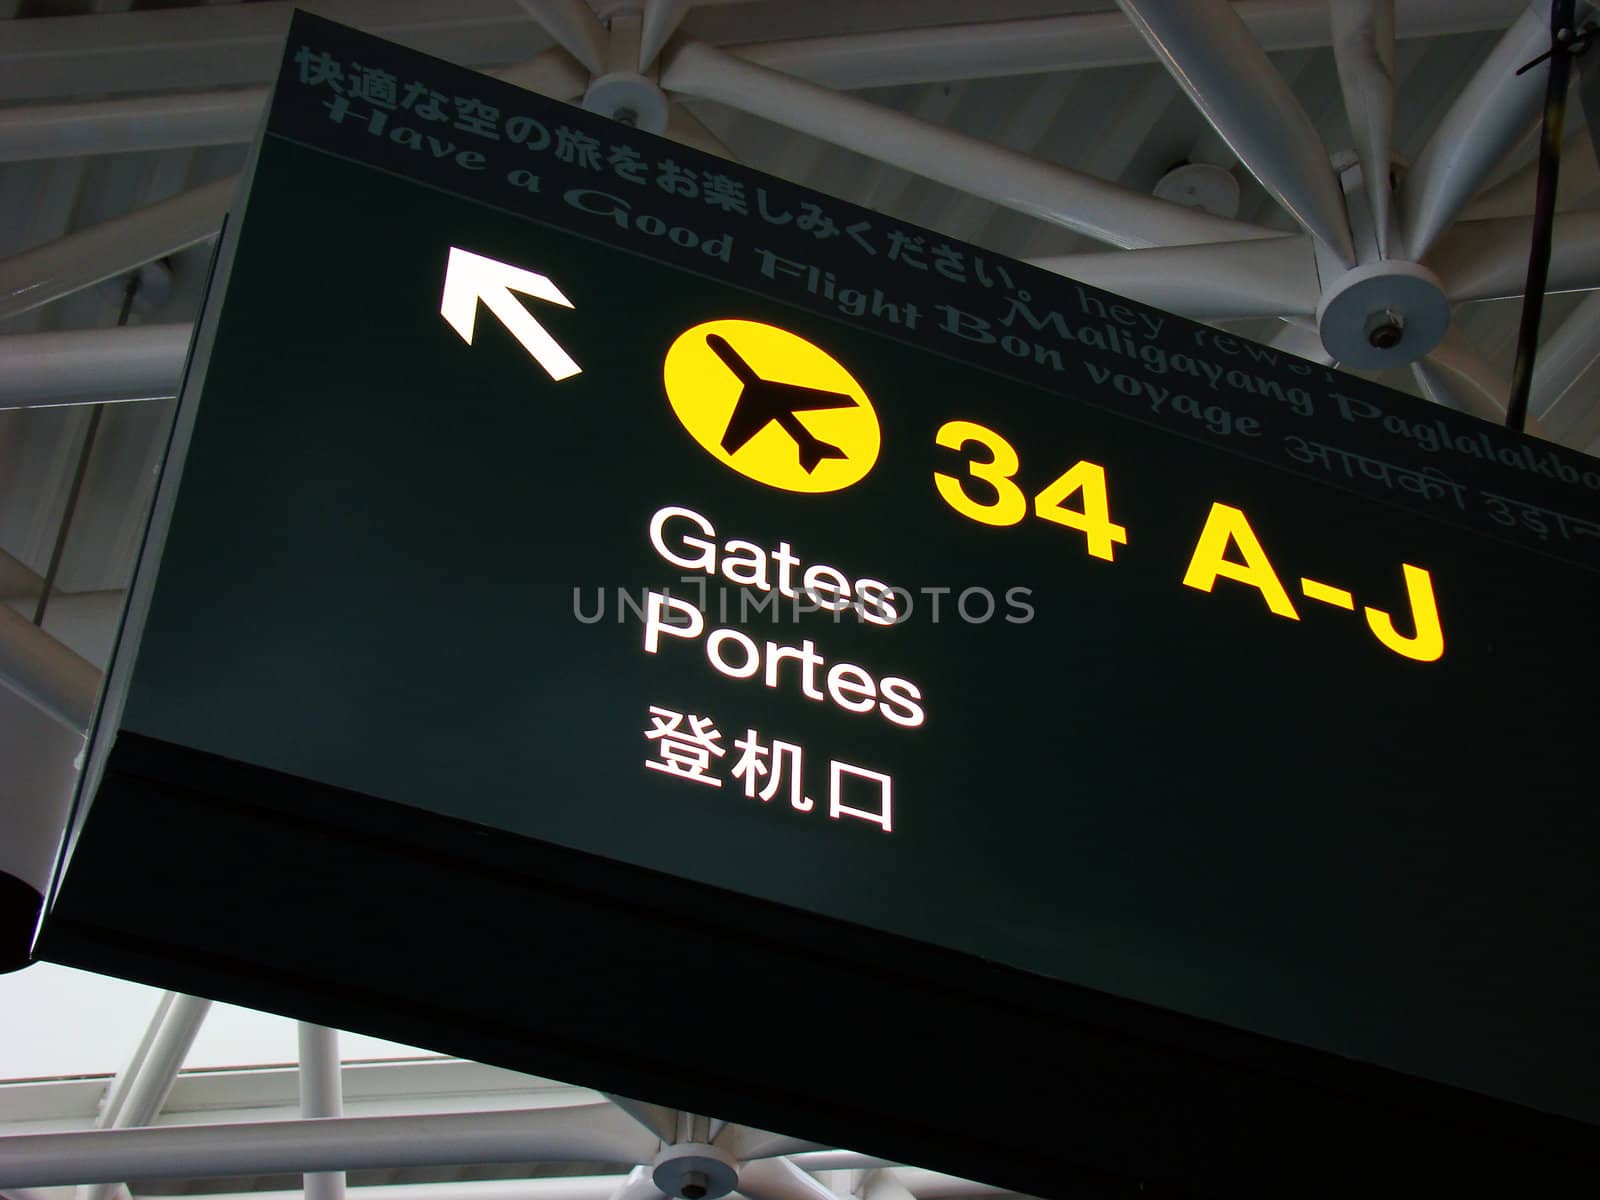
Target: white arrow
[470,277]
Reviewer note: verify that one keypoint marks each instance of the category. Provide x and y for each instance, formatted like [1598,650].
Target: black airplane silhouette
[762,401]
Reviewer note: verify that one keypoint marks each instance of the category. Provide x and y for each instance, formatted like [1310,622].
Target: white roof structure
[456,1130]
[1070,133]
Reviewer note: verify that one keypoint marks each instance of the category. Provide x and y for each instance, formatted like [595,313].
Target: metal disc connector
[1385,329]
[694,1171]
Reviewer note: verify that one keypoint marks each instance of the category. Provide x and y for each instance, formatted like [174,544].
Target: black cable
[82,471]
[1544,208]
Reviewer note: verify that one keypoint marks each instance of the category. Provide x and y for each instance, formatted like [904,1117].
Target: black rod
[1544,210]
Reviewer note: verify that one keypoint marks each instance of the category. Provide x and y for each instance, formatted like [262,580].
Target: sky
[56,1021]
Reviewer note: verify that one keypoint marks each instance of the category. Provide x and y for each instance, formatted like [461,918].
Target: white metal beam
[222,1095]
[227,45]
[659,1120]
[1093,207]
[87,256]
[1488,260]
[48,675]
[122,1082]
[660,22]
[1268,278]
[1363,50]
[890,190]
[92,366]
[1457,376]
[573,26]
[779,1179]
[1494,110]
[588,1133]
[563,1187]
[321,1095]
[1211,54]
[1076,42]
[178,119]
[820,1161]
[555,73]
[61,188]
[1021,130]
[924,1184]
[137,1095]
[1301,338]
[639,1184]
[18,581]
[745,1143]
[1565,358]
[155,1065]
[1577,187]
[935,1185]
[885,1184]
[683,126]
[1444,383]
[138,123]
[240,44]
[1120,135]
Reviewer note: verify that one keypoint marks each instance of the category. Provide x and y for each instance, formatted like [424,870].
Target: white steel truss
[82,97]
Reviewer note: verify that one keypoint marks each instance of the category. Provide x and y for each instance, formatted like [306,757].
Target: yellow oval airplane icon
[771,405]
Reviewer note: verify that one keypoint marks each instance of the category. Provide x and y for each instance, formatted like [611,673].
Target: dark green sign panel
[551,480]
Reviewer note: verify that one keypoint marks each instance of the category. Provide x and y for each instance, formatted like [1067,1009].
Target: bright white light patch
[469,278]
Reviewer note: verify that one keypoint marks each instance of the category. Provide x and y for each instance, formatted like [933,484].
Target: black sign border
[964,1066]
